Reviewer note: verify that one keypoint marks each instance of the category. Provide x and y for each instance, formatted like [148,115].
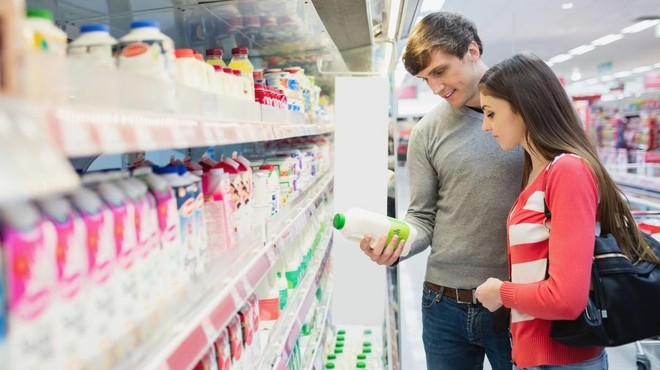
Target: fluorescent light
[566,6]
[549,63]
[657,65]
[576,75]
[642,69]
[607,78]
[582,49]
[591,81]
[622,74]
[560,58]
[639,26]
[607,39]
[393,19]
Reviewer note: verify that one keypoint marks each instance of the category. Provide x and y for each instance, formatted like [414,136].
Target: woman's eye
[490,115]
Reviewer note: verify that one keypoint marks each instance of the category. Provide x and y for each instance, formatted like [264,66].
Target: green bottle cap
[340,338]
[40,13]
[339,350]
[341,332]
[361,365]
[339,345]
[366,350]
[367,331]
[366,344]
[332,357]
[361,357]
[338,222]
[329,365]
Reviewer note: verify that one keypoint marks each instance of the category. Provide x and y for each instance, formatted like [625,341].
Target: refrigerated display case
[68,116]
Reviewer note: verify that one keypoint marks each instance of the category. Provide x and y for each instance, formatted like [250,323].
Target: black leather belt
[465,296]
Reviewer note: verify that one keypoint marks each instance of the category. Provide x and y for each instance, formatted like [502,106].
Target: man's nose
[437,87]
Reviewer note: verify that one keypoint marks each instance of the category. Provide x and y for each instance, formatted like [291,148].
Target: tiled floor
[411,276]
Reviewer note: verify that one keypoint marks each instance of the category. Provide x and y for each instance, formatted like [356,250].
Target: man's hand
[381,254]
[488,294]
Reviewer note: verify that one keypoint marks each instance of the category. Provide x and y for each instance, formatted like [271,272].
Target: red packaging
[223,350]
[235,338]
[246,324]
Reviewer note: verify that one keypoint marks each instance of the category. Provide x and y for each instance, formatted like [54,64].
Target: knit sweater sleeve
[572,197]
[423,188]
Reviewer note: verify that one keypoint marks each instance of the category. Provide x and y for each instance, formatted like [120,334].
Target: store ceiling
[544,28]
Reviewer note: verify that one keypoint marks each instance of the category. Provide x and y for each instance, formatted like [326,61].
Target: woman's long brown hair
[553,127]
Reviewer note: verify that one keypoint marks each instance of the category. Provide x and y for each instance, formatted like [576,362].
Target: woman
[549,263]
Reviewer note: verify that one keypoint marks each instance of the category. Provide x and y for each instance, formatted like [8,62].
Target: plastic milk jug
[355,223]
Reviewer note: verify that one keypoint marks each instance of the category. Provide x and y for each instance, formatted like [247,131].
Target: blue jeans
[597,363]
[457,335]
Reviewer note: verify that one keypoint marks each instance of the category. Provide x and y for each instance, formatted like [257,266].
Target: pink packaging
[71,321]
[217,220]
[101,266]
[31,271]
[168,232]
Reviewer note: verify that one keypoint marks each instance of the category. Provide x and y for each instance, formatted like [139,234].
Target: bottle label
[397,227]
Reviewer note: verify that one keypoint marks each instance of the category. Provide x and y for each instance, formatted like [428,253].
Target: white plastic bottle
[47,36]
[355,223]
[94,45]
[147,51]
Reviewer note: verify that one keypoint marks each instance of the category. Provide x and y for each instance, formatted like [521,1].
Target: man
[462,187]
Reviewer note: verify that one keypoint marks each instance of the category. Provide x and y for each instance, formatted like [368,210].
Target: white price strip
[75,135]
[110,137]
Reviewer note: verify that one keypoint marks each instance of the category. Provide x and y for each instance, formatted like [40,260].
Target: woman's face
[506,126]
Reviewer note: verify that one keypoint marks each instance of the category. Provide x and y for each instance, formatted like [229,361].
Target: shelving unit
[286,332]
[317,342]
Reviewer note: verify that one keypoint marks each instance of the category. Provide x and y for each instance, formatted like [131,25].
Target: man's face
[454,79]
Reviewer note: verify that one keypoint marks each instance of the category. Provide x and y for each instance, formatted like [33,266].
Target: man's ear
[473,51]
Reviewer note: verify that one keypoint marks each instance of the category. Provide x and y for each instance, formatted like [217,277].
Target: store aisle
[411,277]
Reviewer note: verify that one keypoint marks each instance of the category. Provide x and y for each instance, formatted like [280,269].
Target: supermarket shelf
[286,331]
[183,345]
[645,185]
[90,131]
[318,342]
[643,201]
[29,158]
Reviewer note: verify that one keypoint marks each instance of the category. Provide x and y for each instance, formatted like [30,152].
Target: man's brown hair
[440,31]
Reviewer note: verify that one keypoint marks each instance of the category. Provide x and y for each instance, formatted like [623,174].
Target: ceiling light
[566,6]
[591,81]
[639,26]
[393,18]
[657,65]
[576,75]
[560,58]
[582,49]
[622,74]
[642,69]
[607,39]
[607,78]
[549,63]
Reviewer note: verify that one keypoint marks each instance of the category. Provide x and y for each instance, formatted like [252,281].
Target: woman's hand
[488,294]
[381,254]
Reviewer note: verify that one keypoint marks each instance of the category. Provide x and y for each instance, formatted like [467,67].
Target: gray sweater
[462,186]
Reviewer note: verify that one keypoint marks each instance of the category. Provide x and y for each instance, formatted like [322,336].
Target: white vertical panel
[361,121]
